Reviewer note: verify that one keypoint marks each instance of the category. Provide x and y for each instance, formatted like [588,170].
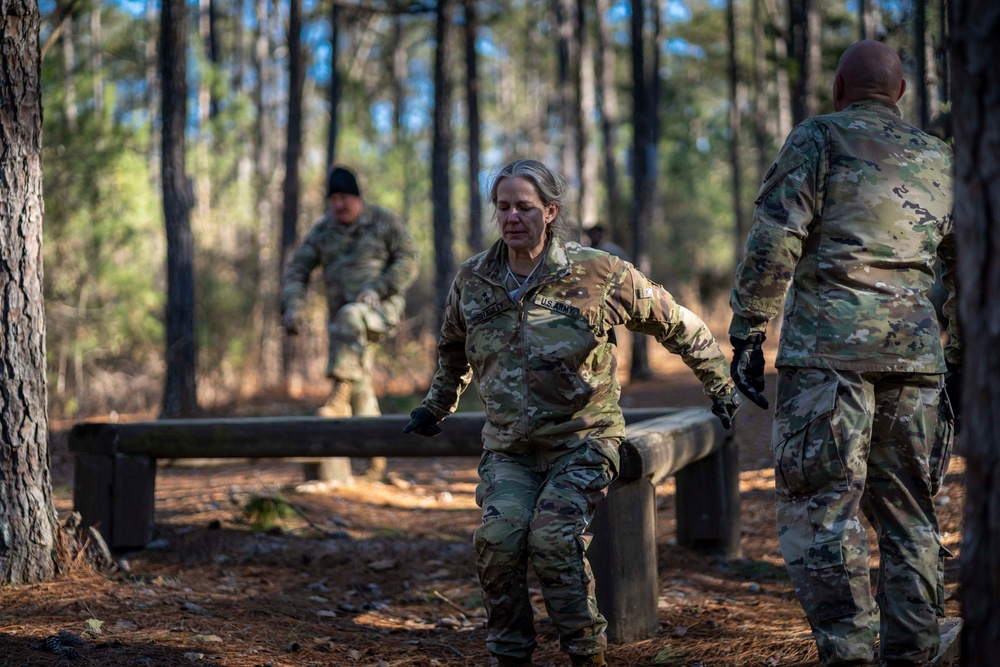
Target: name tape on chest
[488,313]
[557,306]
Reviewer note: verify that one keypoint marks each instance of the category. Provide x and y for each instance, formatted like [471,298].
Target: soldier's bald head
[868,70]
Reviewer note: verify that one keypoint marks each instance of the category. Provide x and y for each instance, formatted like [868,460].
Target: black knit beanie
[343,181]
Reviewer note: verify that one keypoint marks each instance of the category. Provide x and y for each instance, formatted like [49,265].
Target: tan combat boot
[376,471]
[596,660]
[339,402]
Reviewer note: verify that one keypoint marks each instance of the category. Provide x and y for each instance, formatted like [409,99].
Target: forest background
[425,100]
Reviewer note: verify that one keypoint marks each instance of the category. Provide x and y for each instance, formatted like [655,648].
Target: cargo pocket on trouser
[828,591]
[812,483]
[807,450]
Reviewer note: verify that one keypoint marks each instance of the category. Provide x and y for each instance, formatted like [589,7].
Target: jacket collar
[492,264]
[877,106]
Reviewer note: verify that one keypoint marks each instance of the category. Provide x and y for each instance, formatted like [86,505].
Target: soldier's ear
[838,92]
[551,211]
[902,89]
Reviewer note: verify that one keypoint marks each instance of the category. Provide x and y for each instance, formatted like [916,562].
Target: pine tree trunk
[975,59]
[643,170]
[607,106]
[472,101]
[179,393]
[27,515]
[334,89]
[444,261]
[587,93]
[734,139]
[293,150]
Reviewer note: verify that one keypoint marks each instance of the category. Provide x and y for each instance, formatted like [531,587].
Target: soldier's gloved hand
[422,422]
[290,322]
[725,407]
[747,367]
[953,387]
[369,297]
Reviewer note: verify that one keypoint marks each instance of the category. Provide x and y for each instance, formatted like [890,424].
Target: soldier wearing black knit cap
[368,261]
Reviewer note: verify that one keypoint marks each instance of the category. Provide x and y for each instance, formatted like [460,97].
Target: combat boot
[596,660]
[376,471]
[339,402]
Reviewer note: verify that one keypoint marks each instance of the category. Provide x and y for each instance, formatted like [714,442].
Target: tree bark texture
[444,261]
[476,242]
[975,58]
[293,151]
[643,167]
[334,88]
[179,394]
[607,110]
[28,526]
[734,140]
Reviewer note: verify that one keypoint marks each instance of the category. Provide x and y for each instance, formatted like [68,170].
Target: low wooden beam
[301,437]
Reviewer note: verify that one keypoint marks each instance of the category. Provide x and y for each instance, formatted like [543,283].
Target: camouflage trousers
[350,334]
[878,443]
[540,513]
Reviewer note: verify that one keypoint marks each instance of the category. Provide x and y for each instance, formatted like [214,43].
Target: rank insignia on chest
[486,297]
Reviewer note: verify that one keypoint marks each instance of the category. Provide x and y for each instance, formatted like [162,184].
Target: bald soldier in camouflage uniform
[539,344]
[369,261]
[850,221]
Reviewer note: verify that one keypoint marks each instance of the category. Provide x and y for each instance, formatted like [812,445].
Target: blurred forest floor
[383,574]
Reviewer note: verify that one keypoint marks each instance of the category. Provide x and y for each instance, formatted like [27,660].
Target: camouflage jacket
[545,366]
[375,252]
[850,222]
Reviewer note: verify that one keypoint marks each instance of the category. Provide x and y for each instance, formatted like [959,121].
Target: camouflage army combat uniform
[374,252]
[543,361]
[850,221]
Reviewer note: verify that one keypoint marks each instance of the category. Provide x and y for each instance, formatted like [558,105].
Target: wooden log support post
[623,553]
[113,490]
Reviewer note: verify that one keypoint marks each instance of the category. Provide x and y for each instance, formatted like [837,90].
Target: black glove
[724,407]
[953,387]
[422,422]
[747,368]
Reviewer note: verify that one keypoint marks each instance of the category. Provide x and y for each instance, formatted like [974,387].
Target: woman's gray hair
[551,188]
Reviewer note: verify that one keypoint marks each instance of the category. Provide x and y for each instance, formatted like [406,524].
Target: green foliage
[264,512]
[104,245]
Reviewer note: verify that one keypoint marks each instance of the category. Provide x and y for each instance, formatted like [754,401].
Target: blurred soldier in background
[368,260]
[595,233]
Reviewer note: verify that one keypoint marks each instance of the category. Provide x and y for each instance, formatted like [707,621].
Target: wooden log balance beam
[115,479]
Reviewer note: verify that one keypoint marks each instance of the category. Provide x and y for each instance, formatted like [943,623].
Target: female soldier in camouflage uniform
[531,319]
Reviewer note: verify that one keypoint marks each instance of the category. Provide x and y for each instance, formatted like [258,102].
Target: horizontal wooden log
[659,447]
[286,437]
